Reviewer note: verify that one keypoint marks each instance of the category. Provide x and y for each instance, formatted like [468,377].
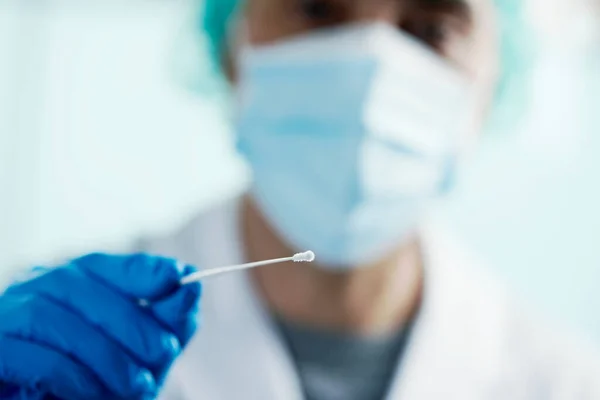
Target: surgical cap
[516,51]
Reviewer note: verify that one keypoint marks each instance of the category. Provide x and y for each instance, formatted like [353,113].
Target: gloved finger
[180,311]
[38,369]
[120,318]
[141,276]
[40,320]
[14,392]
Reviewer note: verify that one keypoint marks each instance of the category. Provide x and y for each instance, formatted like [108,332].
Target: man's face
[461,31]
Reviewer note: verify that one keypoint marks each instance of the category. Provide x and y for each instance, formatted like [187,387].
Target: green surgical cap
[516,51]
[215,18]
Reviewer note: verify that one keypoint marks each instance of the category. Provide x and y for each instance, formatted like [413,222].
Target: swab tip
[307,256]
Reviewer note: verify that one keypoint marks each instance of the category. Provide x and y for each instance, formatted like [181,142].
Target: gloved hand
[100,327]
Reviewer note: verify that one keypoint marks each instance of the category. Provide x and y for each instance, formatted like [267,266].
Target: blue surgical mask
[349,133]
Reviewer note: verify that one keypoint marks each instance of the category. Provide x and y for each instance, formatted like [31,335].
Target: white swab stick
[307,256]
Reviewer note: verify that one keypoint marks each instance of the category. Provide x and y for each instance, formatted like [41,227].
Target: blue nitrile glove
[100,327]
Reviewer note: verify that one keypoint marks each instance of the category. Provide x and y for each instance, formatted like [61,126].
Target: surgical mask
[349,133]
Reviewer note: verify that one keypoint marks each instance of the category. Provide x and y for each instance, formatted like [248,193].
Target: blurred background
[102,140]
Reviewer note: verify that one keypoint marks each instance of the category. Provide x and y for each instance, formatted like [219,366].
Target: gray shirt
[336,366]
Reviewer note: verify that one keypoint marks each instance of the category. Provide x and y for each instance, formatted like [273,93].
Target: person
[354,116]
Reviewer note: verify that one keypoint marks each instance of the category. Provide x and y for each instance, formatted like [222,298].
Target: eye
[432,32]
[320,11]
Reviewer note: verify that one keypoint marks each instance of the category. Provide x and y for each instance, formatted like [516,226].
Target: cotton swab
[307,256]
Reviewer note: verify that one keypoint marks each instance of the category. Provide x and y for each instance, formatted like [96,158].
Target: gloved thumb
[180,311]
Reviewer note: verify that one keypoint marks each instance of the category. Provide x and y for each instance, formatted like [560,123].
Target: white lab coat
[469,341]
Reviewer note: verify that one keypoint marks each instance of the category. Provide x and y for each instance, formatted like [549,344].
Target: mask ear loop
[237,37]
[237,42]
[234,43]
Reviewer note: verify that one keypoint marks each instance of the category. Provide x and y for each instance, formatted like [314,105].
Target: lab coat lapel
[452,352]
[237,353]
[445,346]
[253,356]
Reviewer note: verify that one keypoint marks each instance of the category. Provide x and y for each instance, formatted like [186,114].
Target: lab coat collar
[239,344]
[456,333]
